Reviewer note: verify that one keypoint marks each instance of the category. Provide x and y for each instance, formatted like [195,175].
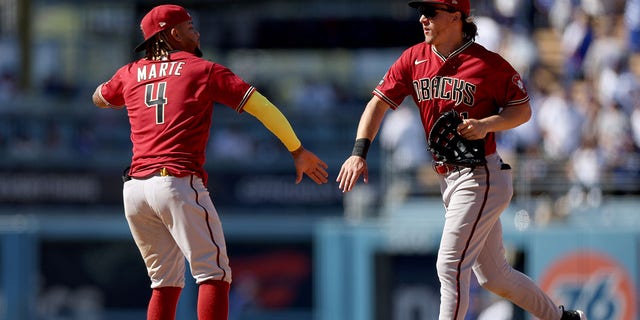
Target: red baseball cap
[161,18]
[460,5]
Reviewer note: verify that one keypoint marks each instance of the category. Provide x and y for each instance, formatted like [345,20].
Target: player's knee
[496,284]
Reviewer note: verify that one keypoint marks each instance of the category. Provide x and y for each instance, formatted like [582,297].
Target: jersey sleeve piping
[384,98]
[518,102]
[103,99]
[245,98]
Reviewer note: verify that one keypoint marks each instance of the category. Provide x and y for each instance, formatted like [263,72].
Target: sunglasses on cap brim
[432,11]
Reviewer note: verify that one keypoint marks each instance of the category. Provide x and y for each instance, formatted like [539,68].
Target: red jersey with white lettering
[472,80]
[170,105]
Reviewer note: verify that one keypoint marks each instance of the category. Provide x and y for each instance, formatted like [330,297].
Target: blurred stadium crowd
[580,59]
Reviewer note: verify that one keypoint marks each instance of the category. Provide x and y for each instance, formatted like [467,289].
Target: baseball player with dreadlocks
[169,96]
[449,71]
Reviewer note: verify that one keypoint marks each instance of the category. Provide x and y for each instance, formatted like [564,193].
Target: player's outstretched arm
[305,161]
[356,165]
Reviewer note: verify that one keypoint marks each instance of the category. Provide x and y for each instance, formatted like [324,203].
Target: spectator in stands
[595,7]
[635,124]
[585,174]
[632,24]
[576,39]
[520,51]
[559,14]
[515,12]
[491,37]
[402,140]
[605,52]
[613,129]
[559,108]
[621,85]
[612,126]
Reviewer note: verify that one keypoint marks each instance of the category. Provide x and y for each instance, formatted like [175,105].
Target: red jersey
[170,105]
[472,80]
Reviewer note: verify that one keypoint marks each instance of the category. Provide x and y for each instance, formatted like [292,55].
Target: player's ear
[175,34]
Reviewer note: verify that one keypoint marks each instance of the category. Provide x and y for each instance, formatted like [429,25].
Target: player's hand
[308,163]
[472,129]
[350,172]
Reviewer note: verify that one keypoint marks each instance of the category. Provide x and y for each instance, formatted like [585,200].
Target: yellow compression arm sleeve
[271,117]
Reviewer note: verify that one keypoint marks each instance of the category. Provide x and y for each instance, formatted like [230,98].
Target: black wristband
[361,147]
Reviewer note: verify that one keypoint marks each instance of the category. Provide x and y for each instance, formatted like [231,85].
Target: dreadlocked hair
[158,47]
[469,29]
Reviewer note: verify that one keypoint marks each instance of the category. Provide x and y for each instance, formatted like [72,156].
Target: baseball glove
[448,146]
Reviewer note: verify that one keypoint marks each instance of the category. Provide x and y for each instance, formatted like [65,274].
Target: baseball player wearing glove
[465,94]
[169,96]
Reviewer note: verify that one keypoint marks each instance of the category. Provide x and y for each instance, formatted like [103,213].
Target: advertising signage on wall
[241,190]
[594,271]
[595,280]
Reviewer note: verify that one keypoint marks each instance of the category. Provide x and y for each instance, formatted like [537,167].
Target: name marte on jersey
[157,70]
[447,88]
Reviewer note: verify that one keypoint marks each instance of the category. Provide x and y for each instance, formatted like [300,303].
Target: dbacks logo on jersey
[445,88]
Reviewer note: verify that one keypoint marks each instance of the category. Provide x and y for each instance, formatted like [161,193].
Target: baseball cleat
[573,314]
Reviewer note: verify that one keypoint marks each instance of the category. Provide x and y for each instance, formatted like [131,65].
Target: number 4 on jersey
[159,101]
